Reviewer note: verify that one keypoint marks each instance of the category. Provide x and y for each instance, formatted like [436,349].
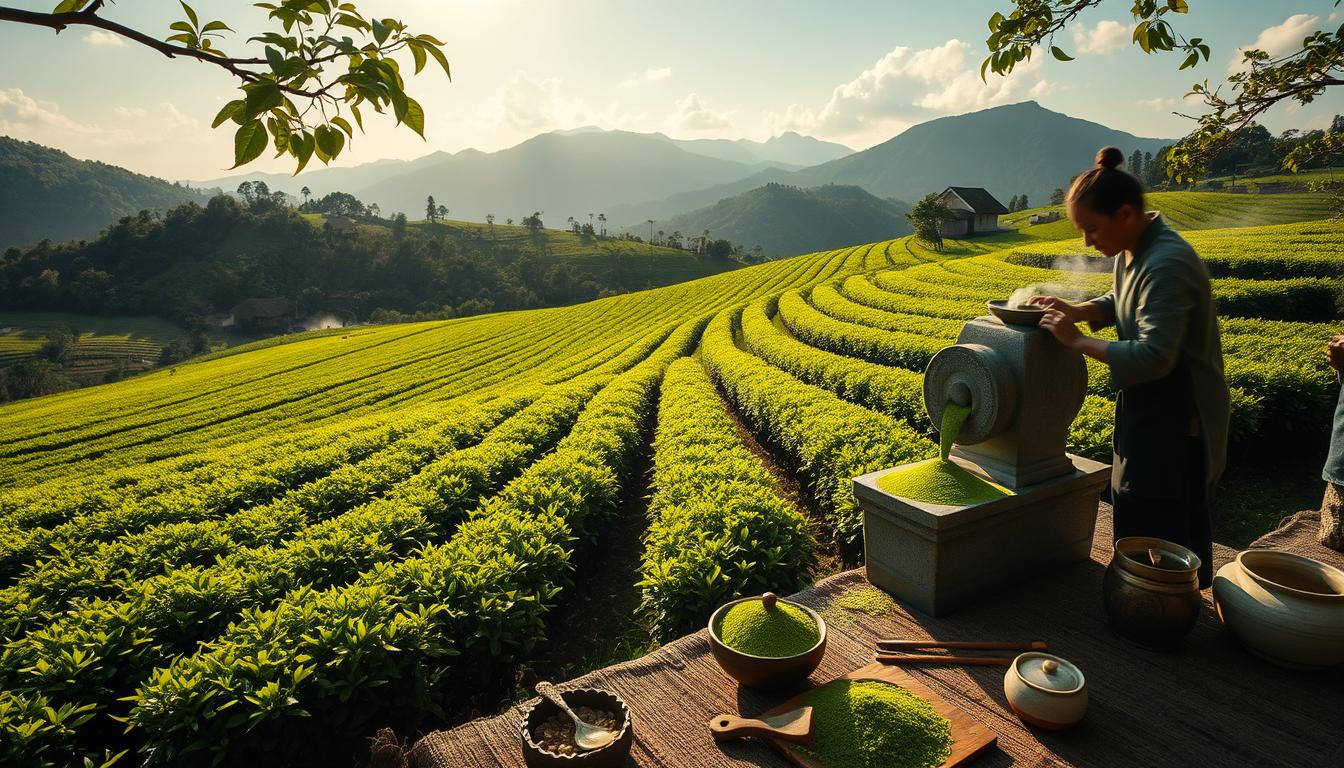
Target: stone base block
[939,558]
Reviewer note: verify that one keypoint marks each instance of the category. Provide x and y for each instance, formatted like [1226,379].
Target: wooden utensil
[794,726]
[912,658]
[969,737]
[964,645]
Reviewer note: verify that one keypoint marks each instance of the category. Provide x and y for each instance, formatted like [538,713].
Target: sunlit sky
[857,73]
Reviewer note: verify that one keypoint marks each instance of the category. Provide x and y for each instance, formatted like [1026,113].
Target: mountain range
[632,177]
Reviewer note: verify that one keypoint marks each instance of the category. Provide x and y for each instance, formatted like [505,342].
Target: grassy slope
[100,339]
[1196,210]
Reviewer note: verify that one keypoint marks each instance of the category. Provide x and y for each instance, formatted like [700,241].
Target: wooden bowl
[767,673]
[1016,315]
[610,756]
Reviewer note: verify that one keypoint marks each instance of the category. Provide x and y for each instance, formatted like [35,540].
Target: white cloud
[1107,37]
[101,38]
[908,86]
[1336,16]
[692,115]
[524,106]
[648,76]
[1277,40]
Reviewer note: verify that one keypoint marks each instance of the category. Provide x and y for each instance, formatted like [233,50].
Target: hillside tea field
[269,554]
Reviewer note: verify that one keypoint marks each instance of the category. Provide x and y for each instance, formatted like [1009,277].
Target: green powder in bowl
[935,481]
[785,630]
[863,723]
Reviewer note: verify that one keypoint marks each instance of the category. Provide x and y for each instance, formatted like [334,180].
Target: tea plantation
[267,555]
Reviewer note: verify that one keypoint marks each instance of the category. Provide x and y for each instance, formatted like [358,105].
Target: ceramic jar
[1045,691]
[1151,591]
[1285,608]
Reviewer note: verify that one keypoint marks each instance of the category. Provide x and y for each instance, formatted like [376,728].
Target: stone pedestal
[938,558]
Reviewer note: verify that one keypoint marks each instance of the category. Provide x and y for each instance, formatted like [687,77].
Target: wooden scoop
[795,726]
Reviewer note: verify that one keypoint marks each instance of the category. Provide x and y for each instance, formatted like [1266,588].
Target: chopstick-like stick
[968,645]
[901,658]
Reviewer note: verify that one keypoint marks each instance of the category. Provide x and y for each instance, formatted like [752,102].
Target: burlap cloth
[1210,704]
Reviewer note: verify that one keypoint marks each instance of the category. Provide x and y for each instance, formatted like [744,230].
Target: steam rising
[1072,288]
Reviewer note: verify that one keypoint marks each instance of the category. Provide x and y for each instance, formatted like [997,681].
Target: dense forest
[193,262]
[49,194]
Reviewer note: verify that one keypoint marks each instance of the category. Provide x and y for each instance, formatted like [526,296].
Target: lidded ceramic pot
[1046,691]
[1283,607]
[1151,591]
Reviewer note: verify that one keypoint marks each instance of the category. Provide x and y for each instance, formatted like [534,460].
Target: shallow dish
[770,673]
[1016,315]
[612,755]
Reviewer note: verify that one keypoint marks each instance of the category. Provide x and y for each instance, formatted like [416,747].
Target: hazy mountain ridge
[787,221]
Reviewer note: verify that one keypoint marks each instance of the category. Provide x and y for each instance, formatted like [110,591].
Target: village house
[262,313]
[974,212]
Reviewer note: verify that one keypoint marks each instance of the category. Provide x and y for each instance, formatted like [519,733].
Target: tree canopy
[1263,81]
[302,79]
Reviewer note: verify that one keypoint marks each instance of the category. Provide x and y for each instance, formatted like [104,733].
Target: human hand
[1334,352]
[1061,327]
[1057,304]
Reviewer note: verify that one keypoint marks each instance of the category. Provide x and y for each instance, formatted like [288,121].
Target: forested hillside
[786,221]
[45,193]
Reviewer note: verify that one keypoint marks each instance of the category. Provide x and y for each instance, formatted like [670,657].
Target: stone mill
[1024,389]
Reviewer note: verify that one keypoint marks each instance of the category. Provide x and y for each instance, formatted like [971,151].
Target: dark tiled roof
[980,200]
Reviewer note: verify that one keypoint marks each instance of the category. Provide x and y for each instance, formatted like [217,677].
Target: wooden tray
[969,738]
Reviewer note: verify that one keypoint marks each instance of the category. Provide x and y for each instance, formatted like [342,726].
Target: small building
[1043,218]
[974,212]
[263,313]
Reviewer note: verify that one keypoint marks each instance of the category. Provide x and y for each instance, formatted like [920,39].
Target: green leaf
[190,14]
[69,6]
[1179,6]
[301,146]
[1059,54]
[380,32]
[439,57]
[344,125]
[419,54]
[275,59]
[415,116]
[1190,60]
[227,112]
[215,26]
[329,142]
[249,142]
[262,96]
[359,119]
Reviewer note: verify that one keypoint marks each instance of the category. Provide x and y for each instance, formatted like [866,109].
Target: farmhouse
[974,211]
[262,313]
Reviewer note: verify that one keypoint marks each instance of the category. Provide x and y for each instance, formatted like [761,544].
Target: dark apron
[1158,472]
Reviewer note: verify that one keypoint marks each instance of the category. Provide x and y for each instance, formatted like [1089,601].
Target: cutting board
[969,738]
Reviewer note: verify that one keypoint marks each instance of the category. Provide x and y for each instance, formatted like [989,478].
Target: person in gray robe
[1172,405]
[1332,506]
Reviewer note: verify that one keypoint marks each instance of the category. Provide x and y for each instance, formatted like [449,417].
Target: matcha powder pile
[862,723]
[784,630]
[940,481]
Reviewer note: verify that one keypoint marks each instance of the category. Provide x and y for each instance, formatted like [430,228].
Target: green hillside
[1196,210]
[786,221]
[268,555]
[45,193]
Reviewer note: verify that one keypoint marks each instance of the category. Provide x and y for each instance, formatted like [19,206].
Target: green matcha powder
[784,631]
[940,481]
[869,723]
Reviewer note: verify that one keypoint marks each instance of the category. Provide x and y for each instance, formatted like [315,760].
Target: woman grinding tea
[1172,407]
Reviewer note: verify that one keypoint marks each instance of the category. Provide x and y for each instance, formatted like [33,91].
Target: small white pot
[1285,608]
[1046,691]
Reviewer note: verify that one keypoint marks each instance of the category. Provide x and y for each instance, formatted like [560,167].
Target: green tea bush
[907,350]
[718,529]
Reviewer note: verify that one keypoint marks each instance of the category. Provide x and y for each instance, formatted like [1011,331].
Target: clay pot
[768,673]
[1046,691]
[610,756]
[1285,608]
[1151,591]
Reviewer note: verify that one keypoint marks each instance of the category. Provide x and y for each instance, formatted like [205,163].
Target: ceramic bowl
[1283,607]
[610,756]
[769,673]
[1046,691]
[1019,315]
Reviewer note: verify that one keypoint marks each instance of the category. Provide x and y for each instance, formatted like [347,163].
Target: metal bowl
[1016,315]
[610,756]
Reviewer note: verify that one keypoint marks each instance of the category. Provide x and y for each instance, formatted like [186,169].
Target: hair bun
[1110,157]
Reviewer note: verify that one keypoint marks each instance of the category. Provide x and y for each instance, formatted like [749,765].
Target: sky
[857,73]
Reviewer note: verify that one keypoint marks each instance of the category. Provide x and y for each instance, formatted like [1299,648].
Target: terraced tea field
[268,555]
